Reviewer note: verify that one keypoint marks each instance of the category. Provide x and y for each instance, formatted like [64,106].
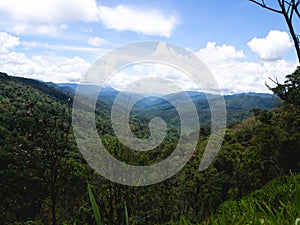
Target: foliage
[275,203]
[290,90]
[33,132]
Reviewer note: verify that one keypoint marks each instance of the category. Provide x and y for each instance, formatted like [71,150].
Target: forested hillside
[238,106]
[44,177]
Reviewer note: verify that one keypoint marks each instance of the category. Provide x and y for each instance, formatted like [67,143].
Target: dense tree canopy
[39,172]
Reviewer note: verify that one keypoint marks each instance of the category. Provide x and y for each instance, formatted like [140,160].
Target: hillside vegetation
[44,177]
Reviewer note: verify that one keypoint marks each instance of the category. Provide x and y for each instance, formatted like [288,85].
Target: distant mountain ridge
[238,106]
[192,94]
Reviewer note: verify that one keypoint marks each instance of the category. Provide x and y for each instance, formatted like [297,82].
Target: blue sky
[58,40]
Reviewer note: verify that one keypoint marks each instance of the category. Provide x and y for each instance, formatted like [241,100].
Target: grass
[253,211]
[248,210]
[96,208]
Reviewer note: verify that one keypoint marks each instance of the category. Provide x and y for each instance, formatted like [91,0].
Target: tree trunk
[288,21]
[53,195]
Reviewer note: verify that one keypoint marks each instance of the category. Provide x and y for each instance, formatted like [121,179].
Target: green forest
[255,178]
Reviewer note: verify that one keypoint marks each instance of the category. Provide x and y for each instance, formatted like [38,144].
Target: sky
[58,40]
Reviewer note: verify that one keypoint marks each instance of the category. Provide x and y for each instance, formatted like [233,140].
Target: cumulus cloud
[272,47]
[232,76]
[229,66]
[42,68]
[149,22]
[212,52]
[151,78]
[235,75]
[96,41]
[47,14]
[54,68]
[8,42]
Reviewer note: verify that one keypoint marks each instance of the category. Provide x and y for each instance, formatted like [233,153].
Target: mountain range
[239,106]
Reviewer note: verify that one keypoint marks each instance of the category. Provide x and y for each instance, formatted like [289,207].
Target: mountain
[107,94]
[67,89]
[238,106]
[44,176]
[33,84]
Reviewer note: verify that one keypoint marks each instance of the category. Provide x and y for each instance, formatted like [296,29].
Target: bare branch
[290,7]
[265,6]
[296,9]
[276,82]
[292,12]
[290,3]
[297,12]
[281,4]
[287,8]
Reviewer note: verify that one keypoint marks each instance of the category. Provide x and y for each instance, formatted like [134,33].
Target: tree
[287,9]
[290,90]
[52,137]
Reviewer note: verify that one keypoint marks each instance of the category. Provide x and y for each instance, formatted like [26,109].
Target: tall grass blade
[94,205]
[297,199]
[126,215]
[183,221]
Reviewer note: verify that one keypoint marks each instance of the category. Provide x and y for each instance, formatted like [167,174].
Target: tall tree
[287,9]
[52,138]
[290,90]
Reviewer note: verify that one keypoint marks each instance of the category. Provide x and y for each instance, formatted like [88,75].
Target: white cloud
[46,29]
[34,44]
[96,41]
[19,28]
[228,64]
[54,68]
[63,27]
[151,78]
[149,22]
[46,15]
[37,29]
[47,46]
[8,42]
[234,75]
[274,46]
[231,70]
[50,11]
[212,52]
